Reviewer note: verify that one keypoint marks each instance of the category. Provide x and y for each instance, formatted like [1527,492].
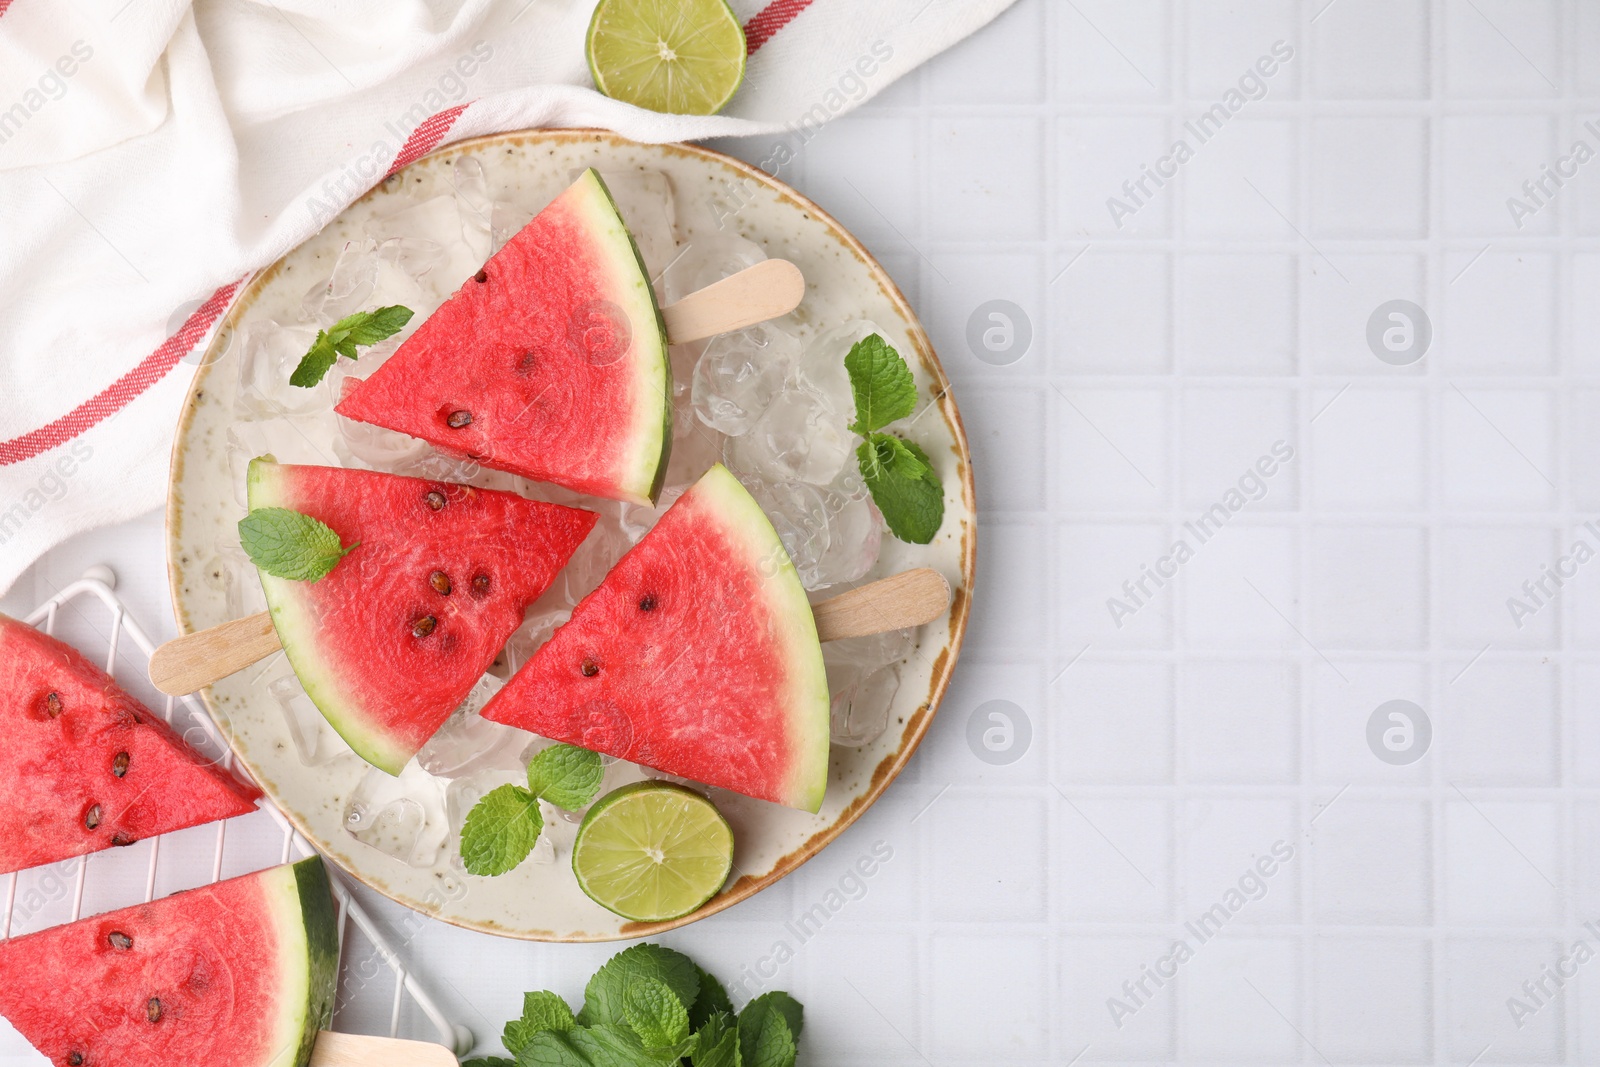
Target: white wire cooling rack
[47,896]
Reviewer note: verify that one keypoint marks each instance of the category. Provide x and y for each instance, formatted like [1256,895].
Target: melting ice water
[774,408]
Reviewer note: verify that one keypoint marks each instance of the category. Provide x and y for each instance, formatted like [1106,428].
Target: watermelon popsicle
[87,767]
[550,362]
[697,655]
[390,641]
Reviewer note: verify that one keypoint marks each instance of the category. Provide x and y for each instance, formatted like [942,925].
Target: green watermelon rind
[301,898]
[795,631]
[610,223]
[319,677]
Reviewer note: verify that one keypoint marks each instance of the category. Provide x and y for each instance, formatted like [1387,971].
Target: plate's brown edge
[888,768]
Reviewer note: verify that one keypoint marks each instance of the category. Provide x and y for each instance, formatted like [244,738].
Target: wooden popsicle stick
[909,598]
[771,288]
[359,1050]
[189,663]
[194,661]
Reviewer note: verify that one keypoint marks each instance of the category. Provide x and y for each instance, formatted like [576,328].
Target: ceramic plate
[714,196]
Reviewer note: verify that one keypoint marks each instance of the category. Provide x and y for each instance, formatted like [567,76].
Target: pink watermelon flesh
[69,730]
[697,655]
[239,973]
[391,641]
[550,363]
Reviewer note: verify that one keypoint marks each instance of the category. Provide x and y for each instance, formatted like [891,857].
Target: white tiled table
[1229,711]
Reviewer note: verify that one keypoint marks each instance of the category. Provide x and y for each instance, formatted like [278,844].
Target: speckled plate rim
[944,662]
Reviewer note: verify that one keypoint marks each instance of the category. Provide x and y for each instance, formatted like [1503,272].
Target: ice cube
[706,260]
[855,530]
[416,256]
[268,356]
[822,362]
[799,514]
[594,558]
[316,741]
[361,444]
[740,374]
[870,652]
[693,453]
[801,437]
[437,220]
[468,742]
[403,817]
[860,709]
[347,288]
[472,196]
[245,441]
[528,639]
[231,573]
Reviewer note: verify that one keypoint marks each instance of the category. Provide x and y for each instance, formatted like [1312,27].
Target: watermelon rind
[654,442]
[794,629]
[302,899]
[317,674]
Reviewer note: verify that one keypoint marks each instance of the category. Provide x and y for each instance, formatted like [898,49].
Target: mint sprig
[288,544]
[650,1006]
[341,339]
[501,829]
[898,473]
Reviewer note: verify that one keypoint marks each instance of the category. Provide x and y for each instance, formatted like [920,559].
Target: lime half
[652,851]
[683,57]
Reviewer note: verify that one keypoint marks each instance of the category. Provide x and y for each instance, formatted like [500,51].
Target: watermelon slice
[550,362]
[239,973]
[85,766]
[390,642]
[697,655]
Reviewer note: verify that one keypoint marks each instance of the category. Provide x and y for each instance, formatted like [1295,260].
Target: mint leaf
[768,1042]
[717,1041]
[315,363]
[903,485]
[655,1013]
[489,1061]
[550,1048]
[759,1010]
[713,1000]
[540,1012]
[603,997]
[362,328]
[882,383]
[566,775]
[287,544]
[370,327]
[500,831]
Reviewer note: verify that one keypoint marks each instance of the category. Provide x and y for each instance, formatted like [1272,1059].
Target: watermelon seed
[119,766]
[120,941]
[122,840]
[481,276]
[74,1059]
[152,1009]
[52,704]
[435,500]
[440,582]
[648,603]
[91,818]
[424,626]
[459,420]
[525,365]
[480,585]
[589,667]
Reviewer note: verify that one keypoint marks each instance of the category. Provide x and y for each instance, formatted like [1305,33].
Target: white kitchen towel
[153,153]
